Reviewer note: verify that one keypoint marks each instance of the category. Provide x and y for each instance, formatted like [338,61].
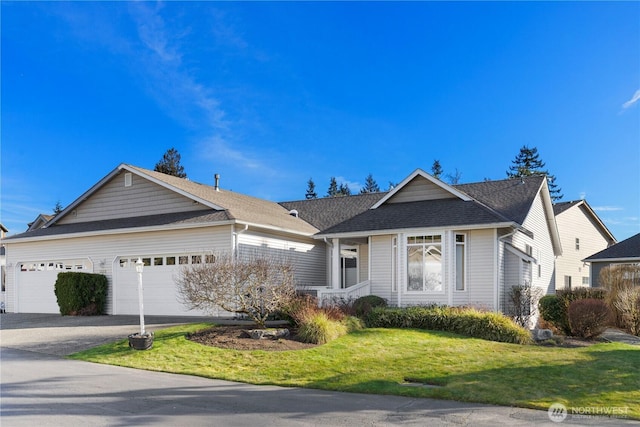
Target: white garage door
[36,282]
[160,296]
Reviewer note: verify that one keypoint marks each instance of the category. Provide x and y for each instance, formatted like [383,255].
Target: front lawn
[394,361]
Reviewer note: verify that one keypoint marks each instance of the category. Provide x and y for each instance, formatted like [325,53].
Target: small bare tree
[619,280]
[253,285]
[522,304]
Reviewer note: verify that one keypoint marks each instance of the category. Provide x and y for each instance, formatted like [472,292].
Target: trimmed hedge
[554,308]
[363,305]
[81,293]
[464,321]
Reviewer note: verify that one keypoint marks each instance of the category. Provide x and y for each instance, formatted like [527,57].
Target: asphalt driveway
[38,387]
[58,335]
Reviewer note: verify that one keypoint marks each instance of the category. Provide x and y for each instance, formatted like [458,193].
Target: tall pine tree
[436,169]
[528,163]
[370,185]
[311,190]
[333,187]
[170,164]
[344,190]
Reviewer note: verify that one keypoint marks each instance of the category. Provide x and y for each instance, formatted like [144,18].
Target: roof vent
[217,178]
[293,213]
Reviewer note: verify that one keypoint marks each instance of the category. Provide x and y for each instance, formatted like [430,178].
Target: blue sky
[270,94]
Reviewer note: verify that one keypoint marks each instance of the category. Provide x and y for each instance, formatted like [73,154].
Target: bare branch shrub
[627,304]
[618,279]
[523,303]
[253,285]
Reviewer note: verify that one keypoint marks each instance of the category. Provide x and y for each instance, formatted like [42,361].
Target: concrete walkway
[616,335]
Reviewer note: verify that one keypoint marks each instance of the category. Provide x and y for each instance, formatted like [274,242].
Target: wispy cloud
[634,100]
[607,208]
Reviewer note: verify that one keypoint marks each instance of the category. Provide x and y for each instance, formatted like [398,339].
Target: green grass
[380,360]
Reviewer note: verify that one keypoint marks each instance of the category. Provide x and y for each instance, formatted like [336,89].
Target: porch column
[335,263]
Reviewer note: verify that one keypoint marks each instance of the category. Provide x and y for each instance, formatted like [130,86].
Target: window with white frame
[461,261]
[424,263]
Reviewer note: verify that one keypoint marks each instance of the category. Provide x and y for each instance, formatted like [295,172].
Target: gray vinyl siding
[481,280]
[103,250]
[381,267]
[306,254]
[574,223]
[420,189]
[363,262]
[536,222]
[143,197]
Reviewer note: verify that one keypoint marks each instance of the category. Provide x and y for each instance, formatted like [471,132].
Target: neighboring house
[581,233]
[423,242]
[39,222]
[624,252]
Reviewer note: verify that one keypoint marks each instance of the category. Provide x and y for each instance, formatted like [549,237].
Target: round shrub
[588,318]
[363,305]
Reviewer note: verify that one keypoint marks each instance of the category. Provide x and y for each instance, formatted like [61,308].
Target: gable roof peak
[419,173]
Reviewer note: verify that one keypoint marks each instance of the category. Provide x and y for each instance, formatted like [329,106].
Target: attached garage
[36,283]
[160,292]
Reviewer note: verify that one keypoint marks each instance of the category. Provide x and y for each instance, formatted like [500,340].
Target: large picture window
[424,264]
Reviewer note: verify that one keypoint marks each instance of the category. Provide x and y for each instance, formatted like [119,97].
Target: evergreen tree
[528,163]
[436,169]
[370,185]
[57,208]
[170,164]
[344,190]
[333,187]
[311,190]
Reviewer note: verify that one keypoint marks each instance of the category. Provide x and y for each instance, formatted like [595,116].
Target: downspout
[236,240]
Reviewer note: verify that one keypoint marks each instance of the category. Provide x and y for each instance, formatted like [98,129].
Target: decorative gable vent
[128,179]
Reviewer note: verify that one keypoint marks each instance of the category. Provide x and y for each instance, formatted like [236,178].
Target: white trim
[420,172]
[409,231]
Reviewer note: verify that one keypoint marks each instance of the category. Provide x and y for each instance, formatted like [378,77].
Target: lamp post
[139,268]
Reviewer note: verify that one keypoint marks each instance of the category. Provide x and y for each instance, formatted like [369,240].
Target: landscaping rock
[542,334]
[267,334]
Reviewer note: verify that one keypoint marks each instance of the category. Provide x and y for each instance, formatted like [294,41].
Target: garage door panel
[160,294]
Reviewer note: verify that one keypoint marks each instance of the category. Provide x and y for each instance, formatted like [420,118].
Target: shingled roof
[329,211]
[421,214]
[174,219]
[626,249]
[511,197]
[240,207]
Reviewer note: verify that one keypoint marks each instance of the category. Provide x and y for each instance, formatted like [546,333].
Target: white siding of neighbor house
[103,250]
[381,267]
[574,223]
[420,189]
[481,280]
[306,254]
[536,222]
[143,197]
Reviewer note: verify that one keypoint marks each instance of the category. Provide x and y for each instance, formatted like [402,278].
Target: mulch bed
[233,337]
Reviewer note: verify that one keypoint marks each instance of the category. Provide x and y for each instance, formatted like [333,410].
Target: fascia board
[274,228]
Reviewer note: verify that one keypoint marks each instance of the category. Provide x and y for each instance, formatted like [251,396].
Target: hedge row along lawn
[384,361]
